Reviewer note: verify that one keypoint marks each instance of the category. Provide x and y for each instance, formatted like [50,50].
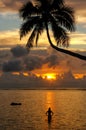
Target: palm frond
[44,5]
[60,34]
[30,41]
[43,2]
[27,10]
[65,17]
[40,29]
[56,4]
[28,25]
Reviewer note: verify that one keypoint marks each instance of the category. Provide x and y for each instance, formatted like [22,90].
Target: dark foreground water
[69,107]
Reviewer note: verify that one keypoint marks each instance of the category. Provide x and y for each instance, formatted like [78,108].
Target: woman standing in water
[49,113]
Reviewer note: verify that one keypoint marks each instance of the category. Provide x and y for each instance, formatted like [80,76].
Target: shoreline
[46,89]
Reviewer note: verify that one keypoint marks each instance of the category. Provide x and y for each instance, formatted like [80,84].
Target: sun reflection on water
[49,99]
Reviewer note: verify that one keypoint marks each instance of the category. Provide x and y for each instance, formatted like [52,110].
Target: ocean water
[69,107]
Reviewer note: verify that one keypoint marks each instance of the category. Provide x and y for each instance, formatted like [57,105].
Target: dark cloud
[33,62]
[37,58]
[28,63]
[19,51]
[51,60]
[13,65]
[4,54]
[68,75]
[84,65]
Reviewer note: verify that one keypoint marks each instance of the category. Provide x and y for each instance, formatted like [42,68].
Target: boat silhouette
[15,103]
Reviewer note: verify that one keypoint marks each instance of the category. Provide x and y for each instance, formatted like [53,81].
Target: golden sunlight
[15,73]
[25,74]
[49,99]
[49,76]
[78,76]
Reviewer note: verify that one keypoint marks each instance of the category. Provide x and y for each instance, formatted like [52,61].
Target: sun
[49,76]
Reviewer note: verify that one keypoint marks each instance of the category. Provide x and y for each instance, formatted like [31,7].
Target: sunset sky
[10,23]
[9,36]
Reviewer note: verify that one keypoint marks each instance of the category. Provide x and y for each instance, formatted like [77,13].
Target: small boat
[15,103]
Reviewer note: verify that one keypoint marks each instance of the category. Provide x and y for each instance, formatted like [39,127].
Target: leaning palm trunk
[63,50]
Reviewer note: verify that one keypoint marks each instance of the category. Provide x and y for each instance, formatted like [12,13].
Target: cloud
[10,5]
[64,81]
[78,38]
[39,61]
[12,65]
[78,5]
[11,37]
[84,66]
[33,62]
[19,51]
[51,60]
[5,55]
[68,76]
[22,61]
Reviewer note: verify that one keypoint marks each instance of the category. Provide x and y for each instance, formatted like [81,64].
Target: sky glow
[43,60]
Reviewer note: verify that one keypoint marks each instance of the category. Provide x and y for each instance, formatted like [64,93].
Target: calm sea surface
[69,107]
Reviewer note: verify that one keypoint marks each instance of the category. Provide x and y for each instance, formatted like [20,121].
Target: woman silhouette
[49,113]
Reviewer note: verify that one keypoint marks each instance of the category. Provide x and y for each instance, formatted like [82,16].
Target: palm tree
[48,15]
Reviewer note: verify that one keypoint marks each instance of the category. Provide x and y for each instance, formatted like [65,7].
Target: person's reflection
[49,113]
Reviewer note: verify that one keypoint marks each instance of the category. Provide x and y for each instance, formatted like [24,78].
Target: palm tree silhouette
[48,15]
